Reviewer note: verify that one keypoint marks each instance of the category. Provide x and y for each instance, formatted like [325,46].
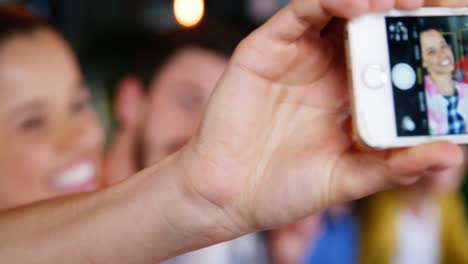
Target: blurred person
[338,240]
[289,244]
[272,148]
[159,105]
[162,95]
[331,236]
[423,223]
[447,99]
[50,138]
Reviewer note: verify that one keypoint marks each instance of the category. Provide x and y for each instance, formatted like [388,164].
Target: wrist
[205,211]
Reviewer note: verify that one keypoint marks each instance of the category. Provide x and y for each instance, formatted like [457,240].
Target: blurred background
[106,33]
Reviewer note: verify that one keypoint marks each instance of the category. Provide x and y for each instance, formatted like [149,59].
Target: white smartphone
[409,76]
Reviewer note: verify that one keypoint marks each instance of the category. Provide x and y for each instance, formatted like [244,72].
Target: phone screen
[429,73]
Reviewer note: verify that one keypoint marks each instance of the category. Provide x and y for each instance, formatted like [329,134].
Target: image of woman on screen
[447,99]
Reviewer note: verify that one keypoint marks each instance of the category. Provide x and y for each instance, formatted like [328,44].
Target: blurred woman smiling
[51,139]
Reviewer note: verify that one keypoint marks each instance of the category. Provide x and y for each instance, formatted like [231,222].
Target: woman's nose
[78,134]
[67,136]
[443,52]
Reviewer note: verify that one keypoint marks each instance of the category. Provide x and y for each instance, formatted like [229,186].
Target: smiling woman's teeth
[73,178]
[445,62]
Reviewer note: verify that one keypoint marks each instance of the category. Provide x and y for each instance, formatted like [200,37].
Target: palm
[280,141]
[300,136]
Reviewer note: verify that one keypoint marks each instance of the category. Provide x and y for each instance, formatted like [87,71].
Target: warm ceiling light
[189,13]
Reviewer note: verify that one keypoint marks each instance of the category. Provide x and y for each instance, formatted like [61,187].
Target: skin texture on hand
[274,147]
[282,142]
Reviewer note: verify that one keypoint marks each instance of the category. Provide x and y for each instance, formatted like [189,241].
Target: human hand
[275,144]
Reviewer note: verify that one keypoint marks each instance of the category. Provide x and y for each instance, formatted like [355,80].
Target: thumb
[364,173]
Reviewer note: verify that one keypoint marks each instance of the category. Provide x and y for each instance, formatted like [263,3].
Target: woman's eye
[32,123]
[431,52]
[80,105]
[189,103]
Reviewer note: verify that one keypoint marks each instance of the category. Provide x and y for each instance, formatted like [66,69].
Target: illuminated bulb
[189,13]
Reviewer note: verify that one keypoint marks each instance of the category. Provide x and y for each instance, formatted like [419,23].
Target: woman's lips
[79,178]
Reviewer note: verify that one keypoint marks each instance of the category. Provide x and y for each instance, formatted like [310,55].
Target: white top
[418,236]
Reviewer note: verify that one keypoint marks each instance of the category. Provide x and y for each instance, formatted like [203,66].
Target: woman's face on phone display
[437,54]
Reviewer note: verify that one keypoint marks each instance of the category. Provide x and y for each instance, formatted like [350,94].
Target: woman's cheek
[24,177]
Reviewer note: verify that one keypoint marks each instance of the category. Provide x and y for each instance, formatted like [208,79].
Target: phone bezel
[374,113]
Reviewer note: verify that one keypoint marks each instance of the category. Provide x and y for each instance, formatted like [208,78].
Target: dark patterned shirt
[456,124]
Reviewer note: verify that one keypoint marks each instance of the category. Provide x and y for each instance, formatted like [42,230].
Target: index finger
[300,16]
[445,3]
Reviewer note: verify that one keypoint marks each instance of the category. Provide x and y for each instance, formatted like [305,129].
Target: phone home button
[374,76]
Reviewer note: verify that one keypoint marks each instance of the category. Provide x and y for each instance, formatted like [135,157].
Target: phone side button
[374,76]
